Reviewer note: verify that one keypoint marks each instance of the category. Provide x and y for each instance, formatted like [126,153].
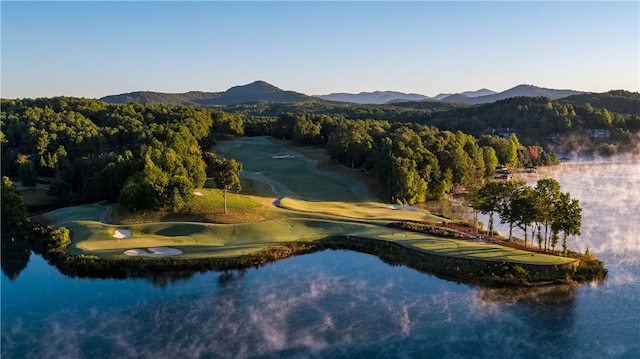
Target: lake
[338,304]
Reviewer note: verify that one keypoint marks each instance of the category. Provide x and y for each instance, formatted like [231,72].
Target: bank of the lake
[337,304]
[425,253]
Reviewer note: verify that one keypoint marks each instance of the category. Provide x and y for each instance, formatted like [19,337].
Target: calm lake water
[337,304]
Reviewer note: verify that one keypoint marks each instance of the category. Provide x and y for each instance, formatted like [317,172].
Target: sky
[94,49]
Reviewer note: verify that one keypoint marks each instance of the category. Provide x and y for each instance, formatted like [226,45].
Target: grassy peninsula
[292,203]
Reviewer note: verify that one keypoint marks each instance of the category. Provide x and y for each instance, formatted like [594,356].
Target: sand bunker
[122,233]
[198,193]
[153,252]
[406,208]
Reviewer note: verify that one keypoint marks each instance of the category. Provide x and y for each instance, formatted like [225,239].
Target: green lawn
[218,240]
[213,198]
[294,176]
[318,204]
[362,210]
[476,250]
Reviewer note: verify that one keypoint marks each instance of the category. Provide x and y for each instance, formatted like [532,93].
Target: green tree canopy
[226,175]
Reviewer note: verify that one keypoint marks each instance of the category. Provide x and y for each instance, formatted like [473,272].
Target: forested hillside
[151,156]
[255,91]
[619,101]
[569,126]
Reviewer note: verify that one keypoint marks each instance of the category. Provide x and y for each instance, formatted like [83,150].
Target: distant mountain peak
[255,91]
[517,91]
[254,87]
[375,97]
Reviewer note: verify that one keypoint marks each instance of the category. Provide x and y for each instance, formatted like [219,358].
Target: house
[599,133]
[555,137]
[504,132]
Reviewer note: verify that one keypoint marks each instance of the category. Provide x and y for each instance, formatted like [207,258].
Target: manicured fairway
[293,174]
[227,241]
[314,205]
[477,250]
[362,210]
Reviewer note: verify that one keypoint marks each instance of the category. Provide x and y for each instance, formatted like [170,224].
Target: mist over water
[609,193]
[338,304]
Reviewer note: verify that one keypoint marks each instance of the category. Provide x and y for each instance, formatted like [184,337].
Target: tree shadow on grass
[182,229]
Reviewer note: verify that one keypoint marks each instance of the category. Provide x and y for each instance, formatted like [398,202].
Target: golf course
[289,199]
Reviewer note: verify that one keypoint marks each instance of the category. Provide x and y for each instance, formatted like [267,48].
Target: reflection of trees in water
[230,276]
[551,295]
[15,256]
[162,279]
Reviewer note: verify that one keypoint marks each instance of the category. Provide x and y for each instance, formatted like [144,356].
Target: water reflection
[551,295]
[14,257]
[327,304]
[338,304]
[161,280]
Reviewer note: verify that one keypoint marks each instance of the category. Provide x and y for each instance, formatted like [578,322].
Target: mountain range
[477,93]
[376,97]
[263,91]
[520,90]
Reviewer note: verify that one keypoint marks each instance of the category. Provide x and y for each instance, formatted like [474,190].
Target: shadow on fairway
[176,230]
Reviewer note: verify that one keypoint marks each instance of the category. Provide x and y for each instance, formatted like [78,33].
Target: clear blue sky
[94,49]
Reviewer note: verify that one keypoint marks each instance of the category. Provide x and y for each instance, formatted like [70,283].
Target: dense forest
[153,156]
[145,156]
[572,125]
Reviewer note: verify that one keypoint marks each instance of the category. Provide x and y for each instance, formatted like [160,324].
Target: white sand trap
[155,252]
[406,208]
[198,193]
[122,233]
[282,156]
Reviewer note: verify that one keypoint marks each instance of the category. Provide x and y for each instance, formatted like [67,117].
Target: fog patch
[609,194]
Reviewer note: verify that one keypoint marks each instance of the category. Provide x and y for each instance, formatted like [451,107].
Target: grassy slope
[334,204]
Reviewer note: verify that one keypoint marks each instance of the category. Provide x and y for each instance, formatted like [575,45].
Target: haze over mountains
[481,92]
[263,91]
[376,97]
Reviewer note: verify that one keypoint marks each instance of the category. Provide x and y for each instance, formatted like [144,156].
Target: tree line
[544,210]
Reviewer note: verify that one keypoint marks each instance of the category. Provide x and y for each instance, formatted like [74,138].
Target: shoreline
[468,271]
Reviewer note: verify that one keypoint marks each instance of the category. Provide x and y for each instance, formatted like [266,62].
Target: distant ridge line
[263,91]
